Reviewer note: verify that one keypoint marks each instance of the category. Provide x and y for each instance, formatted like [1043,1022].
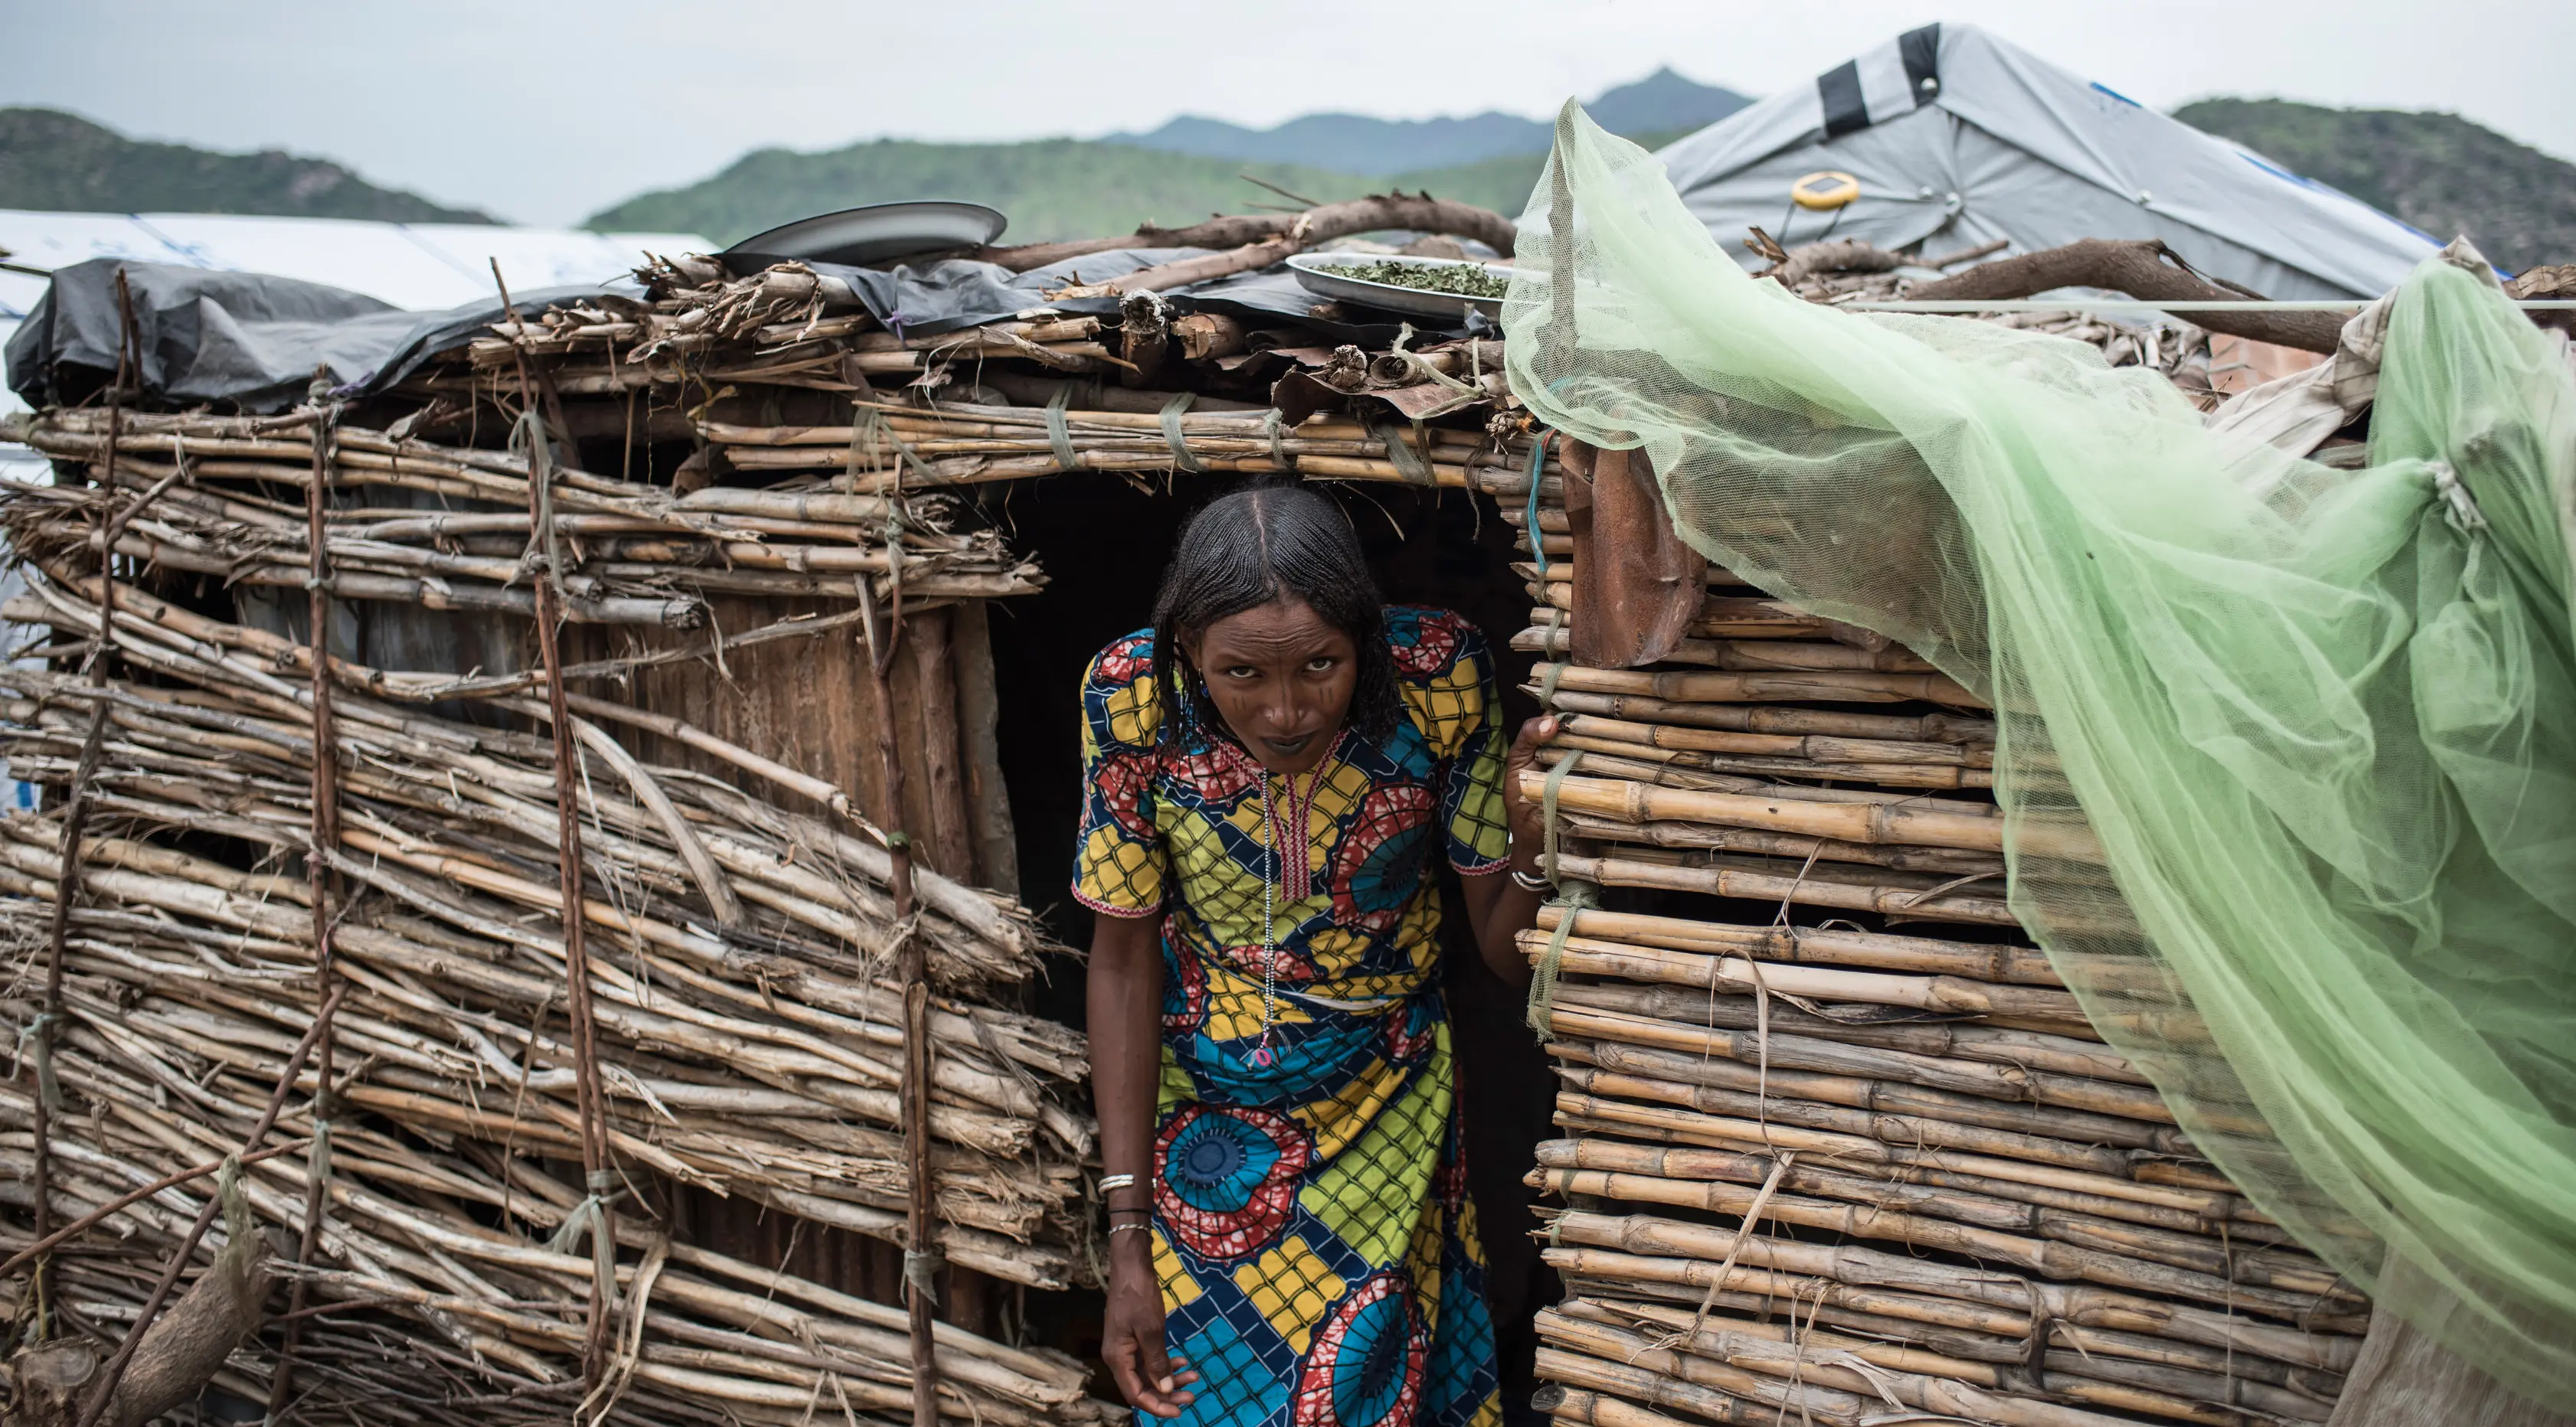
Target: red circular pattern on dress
[1121,780]
[1313,1405]
[1218,771]
[1125,661]
[1435,643]
[1407,1042]
[1366,891]
[1238,1233]
[1294,968]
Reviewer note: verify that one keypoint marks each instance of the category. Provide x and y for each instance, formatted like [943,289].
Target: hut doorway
[1103,543]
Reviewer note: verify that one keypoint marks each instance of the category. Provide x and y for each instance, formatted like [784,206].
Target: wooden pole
[76,801]
[597,1173]
[921,1254]
[319,881]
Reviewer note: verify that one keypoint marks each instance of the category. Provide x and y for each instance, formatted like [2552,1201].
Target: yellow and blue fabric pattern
[1312,1231]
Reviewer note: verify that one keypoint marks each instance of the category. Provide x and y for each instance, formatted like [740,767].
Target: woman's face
[1282,679]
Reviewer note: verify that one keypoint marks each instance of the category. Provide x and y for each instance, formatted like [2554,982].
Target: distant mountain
[1661,102]
[61,162]
[1051,188]
[1503,184]
[2439,172]
[1183,171]
[1351,143]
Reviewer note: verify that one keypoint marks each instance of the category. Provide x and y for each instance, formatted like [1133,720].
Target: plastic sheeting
[2287,755]
[253,341]
[238,339]
[1958,139]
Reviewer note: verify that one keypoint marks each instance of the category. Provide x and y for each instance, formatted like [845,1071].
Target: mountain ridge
[1355,143]
[55,161]
[2439,172]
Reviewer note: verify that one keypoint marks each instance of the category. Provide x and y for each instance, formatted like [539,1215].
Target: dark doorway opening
[1103,543]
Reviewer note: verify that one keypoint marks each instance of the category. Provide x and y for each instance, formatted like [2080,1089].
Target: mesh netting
[2287,754]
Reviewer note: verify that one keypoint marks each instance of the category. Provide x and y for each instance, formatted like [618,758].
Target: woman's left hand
[1523,813]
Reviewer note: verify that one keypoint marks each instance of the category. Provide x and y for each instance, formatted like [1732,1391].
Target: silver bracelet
[1116,1181]
[1139,1228]
[1531,882]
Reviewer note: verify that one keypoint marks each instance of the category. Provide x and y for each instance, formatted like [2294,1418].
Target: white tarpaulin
[1958,139]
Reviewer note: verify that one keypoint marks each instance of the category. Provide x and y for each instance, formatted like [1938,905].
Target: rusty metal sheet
[1637,586]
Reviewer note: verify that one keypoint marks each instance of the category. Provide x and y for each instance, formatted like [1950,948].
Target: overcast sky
[544,111]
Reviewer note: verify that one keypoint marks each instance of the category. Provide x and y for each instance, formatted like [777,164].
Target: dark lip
[1289,746]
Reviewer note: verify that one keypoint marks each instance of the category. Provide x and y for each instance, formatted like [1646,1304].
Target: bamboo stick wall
[1835,1140]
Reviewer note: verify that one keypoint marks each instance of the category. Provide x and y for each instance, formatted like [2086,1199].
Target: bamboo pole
[1694,1064]
[2012,965]
[2311,1332]
[1779,880]
[1955,995]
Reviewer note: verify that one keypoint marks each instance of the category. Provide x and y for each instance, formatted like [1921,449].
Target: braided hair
[1244,550]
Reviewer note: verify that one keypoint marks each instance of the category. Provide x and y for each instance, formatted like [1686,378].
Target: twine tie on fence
[590,1216]
[921,1272]
[1572,898]
[1538,542]
[866,435]
[528,439]
[1274,424]
[1408,461]
[1172,437]
[317,1156]
[906,456]
[1059,435]
[40,1032]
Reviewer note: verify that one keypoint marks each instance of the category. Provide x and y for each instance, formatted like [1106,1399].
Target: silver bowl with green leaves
[1446,289]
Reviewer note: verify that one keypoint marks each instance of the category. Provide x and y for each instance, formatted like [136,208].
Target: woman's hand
[1528,829]
[1498,907]
[1131,1333]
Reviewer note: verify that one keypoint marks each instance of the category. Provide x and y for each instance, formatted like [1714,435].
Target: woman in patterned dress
[1270,771]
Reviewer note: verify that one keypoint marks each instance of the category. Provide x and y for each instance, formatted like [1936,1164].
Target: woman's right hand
[1131,1333]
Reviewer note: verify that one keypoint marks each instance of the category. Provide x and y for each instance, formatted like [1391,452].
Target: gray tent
[1959,139]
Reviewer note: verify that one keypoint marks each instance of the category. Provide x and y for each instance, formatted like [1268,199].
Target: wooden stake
[318,881]
[591,1105]
[76,805]
[920,1254]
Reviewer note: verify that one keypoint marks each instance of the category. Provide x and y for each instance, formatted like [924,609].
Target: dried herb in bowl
[1463,279]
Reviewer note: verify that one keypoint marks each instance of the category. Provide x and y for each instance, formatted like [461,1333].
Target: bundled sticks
[956,443]
[1830,1162]
[750,1040]
[454,530]
[439,1298]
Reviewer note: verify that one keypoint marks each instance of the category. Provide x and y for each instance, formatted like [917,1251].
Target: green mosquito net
[2287,754]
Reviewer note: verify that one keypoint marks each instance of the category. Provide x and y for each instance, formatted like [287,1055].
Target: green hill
[2439,172]
[61,162]
[1052,188]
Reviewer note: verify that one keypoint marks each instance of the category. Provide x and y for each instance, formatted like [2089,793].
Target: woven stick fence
[736,940]
[1836,1166]
[640,555]
[438,1298]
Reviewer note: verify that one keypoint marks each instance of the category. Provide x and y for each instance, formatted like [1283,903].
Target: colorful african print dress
[1312,1231]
